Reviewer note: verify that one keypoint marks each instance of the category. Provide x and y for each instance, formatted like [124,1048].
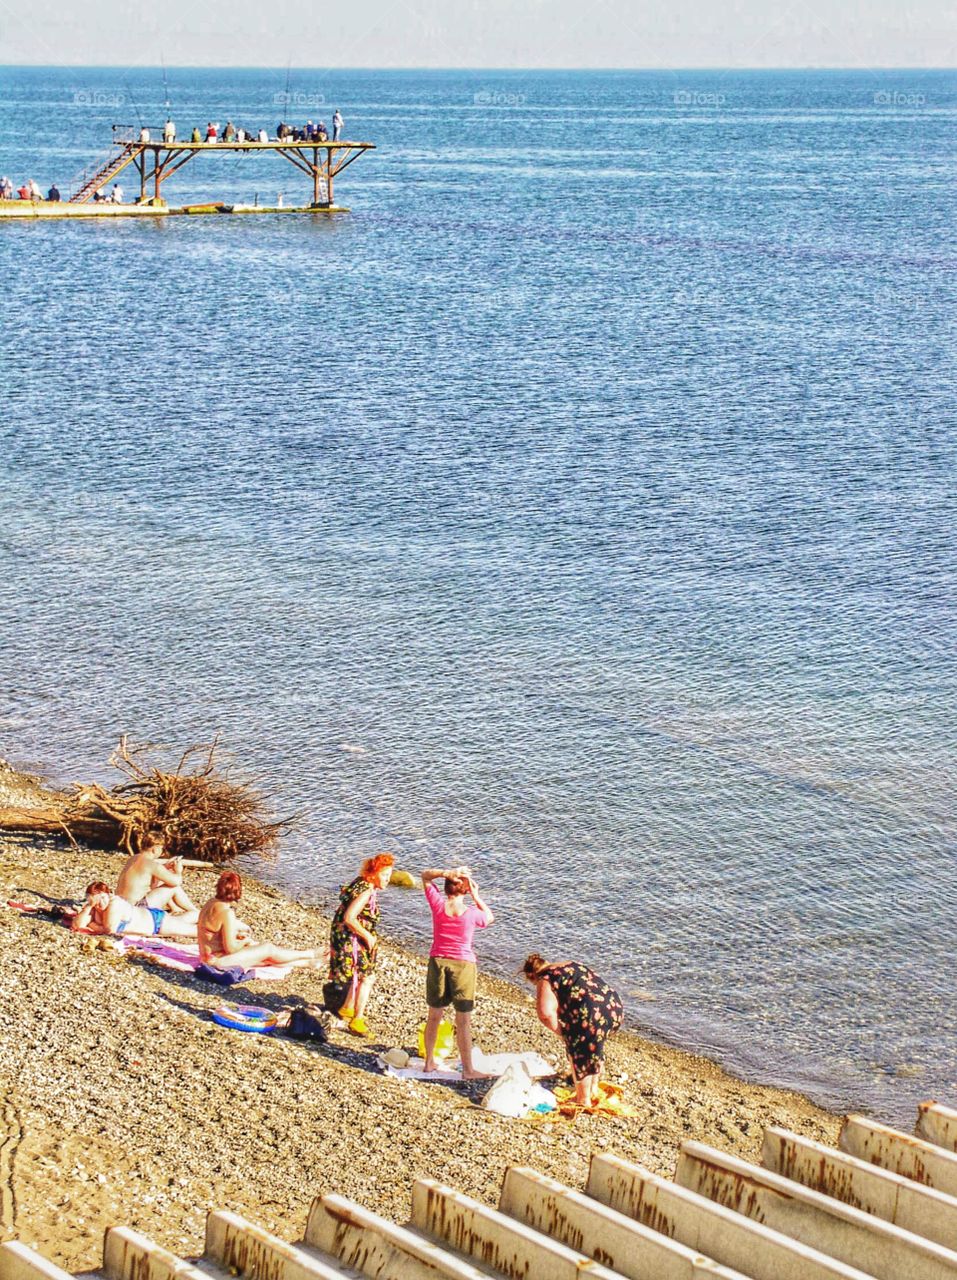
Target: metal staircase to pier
[108,170]
[883,1205]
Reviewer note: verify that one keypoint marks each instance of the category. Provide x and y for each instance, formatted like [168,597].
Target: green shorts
[450,982]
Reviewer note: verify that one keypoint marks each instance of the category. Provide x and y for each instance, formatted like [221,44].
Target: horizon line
[284,67]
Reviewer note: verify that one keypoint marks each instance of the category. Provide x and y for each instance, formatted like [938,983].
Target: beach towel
[610,1102]
[55,912]
[494,1064]
[185,957]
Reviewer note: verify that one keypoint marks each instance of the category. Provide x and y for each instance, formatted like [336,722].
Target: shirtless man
[147,881]
[108,913]
[224,941]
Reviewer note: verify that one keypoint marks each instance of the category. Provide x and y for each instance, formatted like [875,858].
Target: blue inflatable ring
[244,1017]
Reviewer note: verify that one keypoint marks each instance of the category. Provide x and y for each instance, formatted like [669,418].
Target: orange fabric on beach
[610,1102]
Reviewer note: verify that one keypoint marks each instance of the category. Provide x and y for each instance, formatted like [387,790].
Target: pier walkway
[154,161]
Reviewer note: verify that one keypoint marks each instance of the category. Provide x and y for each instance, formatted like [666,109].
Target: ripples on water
[581,506]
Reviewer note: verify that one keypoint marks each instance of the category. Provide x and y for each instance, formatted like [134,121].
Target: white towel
[494,1064]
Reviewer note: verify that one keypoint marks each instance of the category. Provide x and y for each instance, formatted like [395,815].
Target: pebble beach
[123,1102]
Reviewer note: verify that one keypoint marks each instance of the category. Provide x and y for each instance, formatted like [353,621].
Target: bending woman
[224,941]
[353,940]
[573,1002]
[107,913]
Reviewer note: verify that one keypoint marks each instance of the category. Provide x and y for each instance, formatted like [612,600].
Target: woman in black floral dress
[353,941]
[573,1002]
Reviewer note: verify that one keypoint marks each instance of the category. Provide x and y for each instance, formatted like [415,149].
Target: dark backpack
[304,1025]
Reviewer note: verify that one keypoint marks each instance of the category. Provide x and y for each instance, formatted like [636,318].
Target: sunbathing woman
[574,1003]
[106,912]
[225,942]
[353,941]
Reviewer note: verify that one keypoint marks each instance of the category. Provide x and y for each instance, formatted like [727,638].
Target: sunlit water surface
[581,506]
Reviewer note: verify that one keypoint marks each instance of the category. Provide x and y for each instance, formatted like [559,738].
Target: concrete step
[242,1249]
[378,1248]
[492,1240]
[901,1153]
[128,1255]
[887,1195]
[938,1125]
[728,1237]
[20,1262]
[828,1225]
[621,1243]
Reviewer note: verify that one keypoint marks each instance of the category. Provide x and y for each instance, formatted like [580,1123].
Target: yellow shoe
[347,1014]
[359,1027]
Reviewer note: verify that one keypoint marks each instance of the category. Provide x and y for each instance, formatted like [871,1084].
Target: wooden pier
[155,160]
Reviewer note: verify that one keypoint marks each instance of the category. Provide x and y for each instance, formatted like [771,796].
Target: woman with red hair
[353,941]
[224,941]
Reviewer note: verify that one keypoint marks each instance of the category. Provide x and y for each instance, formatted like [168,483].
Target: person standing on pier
[337,123]
[54,194]
[117,196]
[169,132]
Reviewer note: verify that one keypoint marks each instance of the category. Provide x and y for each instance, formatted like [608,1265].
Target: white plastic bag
[511,1094]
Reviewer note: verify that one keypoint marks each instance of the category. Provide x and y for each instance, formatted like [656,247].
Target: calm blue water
[582,505]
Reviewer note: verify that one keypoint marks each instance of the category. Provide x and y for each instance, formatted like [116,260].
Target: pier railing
[124,133]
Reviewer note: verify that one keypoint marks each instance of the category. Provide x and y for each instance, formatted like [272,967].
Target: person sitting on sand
[353,941]
[450,978]
[225,941]
[583,1010]
[106,912]
[148,881]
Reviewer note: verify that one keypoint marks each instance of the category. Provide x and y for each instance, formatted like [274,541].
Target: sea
[580,507]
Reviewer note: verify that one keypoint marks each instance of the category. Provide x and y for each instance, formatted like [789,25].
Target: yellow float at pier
[155,161]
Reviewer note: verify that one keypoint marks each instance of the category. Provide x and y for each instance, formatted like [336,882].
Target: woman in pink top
[451,974]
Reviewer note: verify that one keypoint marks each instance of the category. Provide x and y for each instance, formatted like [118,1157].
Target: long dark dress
[348,955]
[589,1010]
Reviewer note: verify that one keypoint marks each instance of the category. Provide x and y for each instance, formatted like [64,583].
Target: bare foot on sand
[476,1075]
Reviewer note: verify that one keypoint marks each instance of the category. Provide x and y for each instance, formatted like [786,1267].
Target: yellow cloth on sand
[610,1102]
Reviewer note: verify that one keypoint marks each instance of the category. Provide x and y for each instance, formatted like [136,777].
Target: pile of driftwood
[196,807]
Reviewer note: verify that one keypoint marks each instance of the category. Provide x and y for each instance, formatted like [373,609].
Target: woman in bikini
[107,913]
[224,941]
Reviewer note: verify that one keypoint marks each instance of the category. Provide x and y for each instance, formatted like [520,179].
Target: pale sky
[480,33]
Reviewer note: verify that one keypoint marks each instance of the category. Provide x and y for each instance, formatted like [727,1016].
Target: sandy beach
[124,1102]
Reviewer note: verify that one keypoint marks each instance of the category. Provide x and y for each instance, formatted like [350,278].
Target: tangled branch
[197,808]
